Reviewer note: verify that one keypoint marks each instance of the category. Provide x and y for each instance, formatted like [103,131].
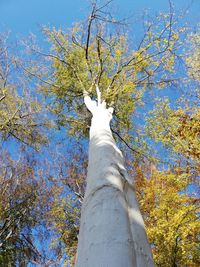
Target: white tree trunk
[112,232]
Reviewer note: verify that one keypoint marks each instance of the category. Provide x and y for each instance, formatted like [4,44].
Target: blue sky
[23,17]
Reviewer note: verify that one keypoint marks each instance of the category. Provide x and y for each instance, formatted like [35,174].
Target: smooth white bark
[112,230]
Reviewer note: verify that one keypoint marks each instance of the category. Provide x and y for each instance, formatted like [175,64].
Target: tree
[81,63]
[19,198]
[20,111]
[178,130]
[193,55]
[170,211]
[175,124]
[63,216]
[171,203]
[21,120]
[110,206]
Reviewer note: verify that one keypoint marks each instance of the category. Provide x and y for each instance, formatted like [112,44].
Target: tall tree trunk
[112,232]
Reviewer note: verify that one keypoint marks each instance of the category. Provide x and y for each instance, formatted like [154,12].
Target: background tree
[19,198]
[67,191]
[19,110]
[193,55]
[170,211]
[175,124]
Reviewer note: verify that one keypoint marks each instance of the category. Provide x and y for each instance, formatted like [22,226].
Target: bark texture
[112,232]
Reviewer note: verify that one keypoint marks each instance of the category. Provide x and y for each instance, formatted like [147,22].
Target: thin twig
[124,141]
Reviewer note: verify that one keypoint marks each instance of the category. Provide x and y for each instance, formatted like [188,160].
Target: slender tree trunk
[112,230]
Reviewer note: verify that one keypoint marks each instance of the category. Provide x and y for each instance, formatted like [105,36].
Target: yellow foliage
[171,218]
[193,58]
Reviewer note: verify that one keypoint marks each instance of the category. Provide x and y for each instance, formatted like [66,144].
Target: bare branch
[100,59]
[2,97]
[103,6]
[74,40]
[91,18]
[124,141]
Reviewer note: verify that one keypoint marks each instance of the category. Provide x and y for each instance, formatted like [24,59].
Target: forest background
[43,159]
